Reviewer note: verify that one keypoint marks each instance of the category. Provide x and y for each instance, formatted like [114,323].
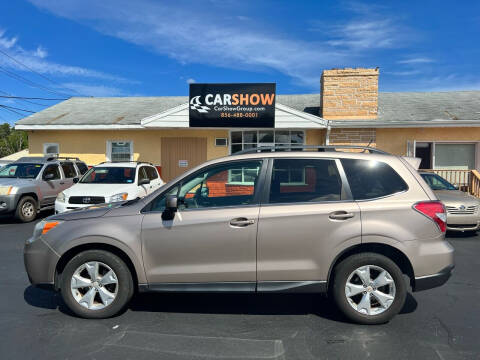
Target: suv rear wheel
[26,209]
[96,284]
[369,288]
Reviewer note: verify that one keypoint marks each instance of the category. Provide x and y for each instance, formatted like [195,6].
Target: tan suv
[347,223]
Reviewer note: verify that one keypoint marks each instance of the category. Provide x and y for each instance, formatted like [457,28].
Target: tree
[11,140]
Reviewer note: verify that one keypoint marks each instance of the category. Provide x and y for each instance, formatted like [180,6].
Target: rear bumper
[433,281]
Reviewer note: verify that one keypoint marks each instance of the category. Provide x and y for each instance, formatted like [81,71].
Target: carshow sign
[232,105]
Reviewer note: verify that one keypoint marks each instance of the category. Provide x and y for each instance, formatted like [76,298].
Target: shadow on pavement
[7,219]
[248,304]
[461,235]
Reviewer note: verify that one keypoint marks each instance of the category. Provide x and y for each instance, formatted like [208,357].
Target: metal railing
[475,183]
[294,147]
[466,180]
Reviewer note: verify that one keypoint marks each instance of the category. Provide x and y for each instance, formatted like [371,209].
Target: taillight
[435,211]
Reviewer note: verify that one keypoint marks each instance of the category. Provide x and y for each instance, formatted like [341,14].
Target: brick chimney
[349,94]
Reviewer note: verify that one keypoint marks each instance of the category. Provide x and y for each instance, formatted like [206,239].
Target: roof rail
[67,158]
[136,162]
[320,148]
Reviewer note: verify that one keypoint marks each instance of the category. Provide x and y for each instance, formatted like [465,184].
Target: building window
[118,151]
[449,156]
[248,139]
[243,175]
[51,149]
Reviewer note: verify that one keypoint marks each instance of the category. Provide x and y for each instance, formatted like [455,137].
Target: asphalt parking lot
[442,323]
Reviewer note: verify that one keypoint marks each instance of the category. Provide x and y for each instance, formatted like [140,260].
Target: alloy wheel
[370,290]
[94,285]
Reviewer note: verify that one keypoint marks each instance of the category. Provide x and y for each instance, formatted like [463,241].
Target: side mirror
[76,180]
[171,205]
[143,182]
[49,176]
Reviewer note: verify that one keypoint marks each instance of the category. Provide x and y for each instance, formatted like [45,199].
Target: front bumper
[40,261]
[8,203]
[435,280]
[61,207]
[463,222]
[463,227]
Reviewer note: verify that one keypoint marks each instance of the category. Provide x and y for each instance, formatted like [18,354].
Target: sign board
[232,105]
[182,163]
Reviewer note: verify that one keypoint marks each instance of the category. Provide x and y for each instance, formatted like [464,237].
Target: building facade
[442,128]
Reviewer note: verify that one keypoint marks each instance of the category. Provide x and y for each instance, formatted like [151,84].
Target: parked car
[350,224]
[108,183]
[31,184]
[463,209]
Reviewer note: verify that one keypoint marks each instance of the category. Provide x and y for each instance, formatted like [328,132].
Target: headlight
[119,197]
[42,228]
[61,197]
[6,190]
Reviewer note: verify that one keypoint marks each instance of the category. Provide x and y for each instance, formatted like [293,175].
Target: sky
[55,49]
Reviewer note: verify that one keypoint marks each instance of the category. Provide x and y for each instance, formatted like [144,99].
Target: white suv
[108,183]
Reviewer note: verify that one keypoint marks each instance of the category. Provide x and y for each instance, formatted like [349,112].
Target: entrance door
[181,154]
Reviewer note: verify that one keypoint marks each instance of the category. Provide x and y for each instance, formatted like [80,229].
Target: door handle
[341,215]
[241,222]
[62,183]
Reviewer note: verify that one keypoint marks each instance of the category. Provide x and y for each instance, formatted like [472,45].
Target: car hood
[104,190]
[456,198]
[85,213]
[16,182]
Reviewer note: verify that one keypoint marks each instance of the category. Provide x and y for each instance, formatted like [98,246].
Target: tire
[365,307]
[77,294]
[26,210]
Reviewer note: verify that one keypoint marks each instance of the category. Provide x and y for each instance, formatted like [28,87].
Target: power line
[20,99]
[28,82]
[28,98]
[36,72]
[13,111]
[15,108]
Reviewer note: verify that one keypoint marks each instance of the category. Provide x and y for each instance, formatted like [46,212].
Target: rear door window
[305,180]
[69,170]
[82,167]
[370,179]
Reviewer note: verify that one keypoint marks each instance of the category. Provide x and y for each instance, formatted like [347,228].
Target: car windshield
[436,182]
[109,175]
[22,171]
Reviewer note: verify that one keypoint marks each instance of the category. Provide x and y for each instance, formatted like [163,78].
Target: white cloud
[191,81]
[41,52]
[403,73]
[416,60]
[36,60]
[93,90]
[372,34]
[193,34]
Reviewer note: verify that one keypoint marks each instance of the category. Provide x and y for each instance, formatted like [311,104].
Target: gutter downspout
[327,136]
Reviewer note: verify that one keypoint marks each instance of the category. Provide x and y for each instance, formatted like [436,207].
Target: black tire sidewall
[124,277]
[347,266]
[18,212]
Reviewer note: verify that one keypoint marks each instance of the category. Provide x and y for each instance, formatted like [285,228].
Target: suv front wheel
[369,288]
[26,209]
[96,284]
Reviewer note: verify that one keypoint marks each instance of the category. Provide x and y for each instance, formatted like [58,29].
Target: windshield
[109,175]
[436,182]
[22,171]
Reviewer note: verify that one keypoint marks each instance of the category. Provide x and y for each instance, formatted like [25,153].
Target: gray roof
[398,106]
[448,105]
